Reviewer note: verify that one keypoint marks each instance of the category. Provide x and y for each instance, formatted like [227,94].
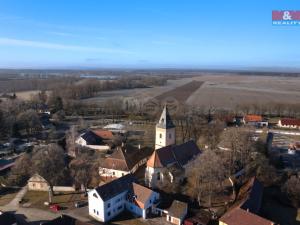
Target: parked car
[80,204]
[55,207]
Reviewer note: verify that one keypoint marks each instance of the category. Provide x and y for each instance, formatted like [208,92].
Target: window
[108,205]
[160,135]
[122,174]
[113,173]
[158,176]
[95,195]
[120,207]
[97,213]
[94,210]
[170,136]
[108,214]
[150,201]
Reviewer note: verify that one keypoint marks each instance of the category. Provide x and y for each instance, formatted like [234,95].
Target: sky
[146,34]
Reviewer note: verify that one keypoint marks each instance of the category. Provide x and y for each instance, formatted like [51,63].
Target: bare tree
[49,162]
[205,175]
[71,145]
[292,188]
[21,171]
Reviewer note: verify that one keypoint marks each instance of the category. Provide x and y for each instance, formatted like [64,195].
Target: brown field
[218,91]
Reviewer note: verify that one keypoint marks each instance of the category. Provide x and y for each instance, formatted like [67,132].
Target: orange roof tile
[253,118]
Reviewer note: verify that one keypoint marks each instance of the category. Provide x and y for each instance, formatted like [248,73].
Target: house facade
[109,200]
[167,154]
[37,183]
[177,212]
[289,123]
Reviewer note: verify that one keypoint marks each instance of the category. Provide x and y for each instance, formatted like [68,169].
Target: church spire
[165,120]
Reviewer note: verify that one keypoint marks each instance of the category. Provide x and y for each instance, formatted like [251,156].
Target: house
[167,153]
[96,139]
[124,160]
[65,220]
[247,206]
[177,212]
[255,120]
[38,183]
[289,123]
[238,216]
[110,199]
[116,128]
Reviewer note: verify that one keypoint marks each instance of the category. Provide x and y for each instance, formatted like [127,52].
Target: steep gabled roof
[104,134]
[179,154]
[165,120]
[141,194]
[125,158]
[239,216]
[115,187]
[92,139]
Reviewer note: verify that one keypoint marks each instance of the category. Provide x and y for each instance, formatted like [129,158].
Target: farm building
[255,120]
[289,123]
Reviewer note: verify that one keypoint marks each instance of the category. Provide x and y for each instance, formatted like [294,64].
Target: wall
[165,140]
[64,188]
[96,206]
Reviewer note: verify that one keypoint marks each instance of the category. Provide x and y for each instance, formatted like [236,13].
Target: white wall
[164,137]
[96,206]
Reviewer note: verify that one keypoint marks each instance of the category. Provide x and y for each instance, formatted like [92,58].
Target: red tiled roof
[239,216]
[290,122]
[104,134]
[142,194]
[253,118]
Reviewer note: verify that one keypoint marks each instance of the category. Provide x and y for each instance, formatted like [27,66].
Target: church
[167,154]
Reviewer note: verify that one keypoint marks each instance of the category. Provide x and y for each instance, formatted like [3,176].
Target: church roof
[179,154]
[165,120]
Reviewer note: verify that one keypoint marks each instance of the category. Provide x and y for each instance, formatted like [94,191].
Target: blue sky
[146,34]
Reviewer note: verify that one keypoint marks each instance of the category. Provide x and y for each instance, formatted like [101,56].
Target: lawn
[66,200]
[7,195]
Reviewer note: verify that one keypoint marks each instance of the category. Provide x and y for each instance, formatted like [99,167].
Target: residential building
[255,120]
[110,199]
[37,183]
[289,123]
[96,139]
[247,207]
[238,216]
[124,160]
[177,212]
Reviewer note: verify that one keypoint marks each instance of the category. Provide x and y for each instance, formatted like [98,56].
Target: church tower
[165,130]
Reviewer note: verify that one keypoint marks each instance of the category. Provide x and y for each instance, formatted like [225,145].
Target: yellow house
[37,183]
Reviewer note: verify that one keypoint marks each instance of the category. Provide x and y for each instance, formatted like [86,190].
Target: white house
[96,139]
[167,153]
[109,200]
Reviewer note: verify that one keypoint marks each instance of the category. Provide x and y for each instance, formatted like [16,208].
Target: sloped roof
[115,187]
[251,193]
[125,158]
[142,194]
[165,120]
[178,209]
[92,139]
[290,122]
[239,216]
[253,118]
[179,154]
[104,134]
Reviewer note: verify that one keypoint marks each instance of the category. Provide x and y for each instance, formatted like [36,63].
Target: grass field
[66,200]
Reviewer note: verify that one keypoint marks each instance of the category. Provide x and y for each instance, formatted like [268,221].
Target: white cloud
[48,45]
